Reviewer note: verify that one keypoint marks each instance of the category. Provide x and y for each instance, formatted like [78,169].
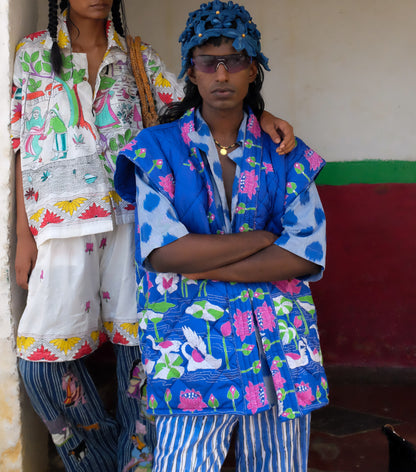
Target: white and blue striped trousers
[200,443]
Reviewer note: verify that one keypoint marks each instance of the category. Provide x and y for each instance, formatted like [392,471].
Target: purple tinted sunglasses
[232,62]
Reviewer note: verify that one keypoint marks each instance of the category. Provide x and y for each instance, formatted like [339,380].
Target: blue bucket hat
[215,19]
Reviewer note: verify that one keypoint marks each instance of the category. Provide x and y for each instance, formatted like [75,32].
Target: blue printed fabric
[199,338]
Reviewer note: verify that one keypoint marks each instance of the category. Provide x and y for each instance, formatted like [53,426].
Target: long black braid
[56,58]
[119,20]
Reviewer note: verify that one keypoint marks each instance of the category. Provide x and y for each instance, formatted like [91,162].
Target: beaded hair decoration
[215,19]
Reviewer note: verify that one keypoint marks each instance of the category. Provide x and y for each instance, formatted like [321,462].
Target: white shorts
[82,292]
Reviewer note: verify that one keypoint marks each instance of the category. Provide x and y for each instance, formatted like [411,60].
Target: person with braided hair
[75,234]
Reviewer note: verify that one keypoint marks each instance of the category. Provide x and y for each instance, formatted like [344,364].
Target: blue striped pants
[200,443]
[86,437]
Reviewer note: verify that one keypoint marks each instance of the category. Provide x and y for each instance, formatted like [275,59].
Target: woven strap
[149,115]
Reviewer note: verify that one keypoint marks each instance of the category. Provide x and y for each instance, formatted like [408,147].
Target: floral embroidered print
[199,339]
[69,136]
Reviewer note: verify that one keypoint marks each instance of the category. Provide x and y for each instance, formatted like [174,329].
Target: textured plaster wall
[22,437]
[10,431]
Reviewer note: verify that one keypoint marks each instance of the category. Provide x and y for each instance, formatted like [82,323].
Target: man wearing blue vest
[229,235]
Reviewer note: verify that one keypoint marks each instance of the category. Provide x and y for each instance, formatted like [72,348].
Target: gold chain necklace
[224,149]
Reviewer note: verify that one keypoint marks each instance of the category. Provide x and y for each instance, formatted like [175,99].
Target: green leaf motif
[47,67]
[25,67]
[78,76]
[127,136]
[106,83]
[283,305]
[113,145]
[34,57]
[65,77]
[289,414]
[256,367]
[161,307]
[173,374]
[38,67]
[178,361]
[217,314]
[160,366]
[246,349]
[213,402]
[67,61]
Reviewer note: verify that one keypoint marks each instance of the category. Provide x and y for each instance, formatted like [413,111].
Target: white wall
[343,71]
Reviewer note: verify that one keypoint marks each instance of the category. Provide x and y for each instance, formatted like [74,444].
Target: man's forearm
[270,264]
[203,252]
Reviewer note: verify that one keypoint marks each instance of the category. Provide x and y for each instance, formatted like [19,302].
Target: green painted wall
[368,172]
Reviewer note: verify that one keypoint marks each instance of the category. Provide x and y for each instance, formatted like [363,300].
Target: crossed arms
[239,257]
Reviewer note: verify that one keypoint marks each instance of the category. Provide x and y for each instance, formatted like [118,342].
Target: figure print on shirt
[36,127]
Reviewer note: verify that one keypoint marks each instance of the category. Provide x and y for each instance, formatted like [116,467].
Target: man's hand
[26,255]
[280,131]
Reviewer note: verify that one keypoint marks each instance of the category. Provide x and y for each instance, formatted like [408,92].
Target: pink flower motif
[254,127]
[186,129]
[226,329]
[268,167]
[278,380]
[249,183]
[297,322]
[255,396]
[191,401]
[106,296]
[265,317]
[288,286]
[89,247]
[191,165]
[244,325]
[304,394]
[149,282]
[314,159]
[210,199]
[103,243]
[87,306]
[167,183]
[167,283]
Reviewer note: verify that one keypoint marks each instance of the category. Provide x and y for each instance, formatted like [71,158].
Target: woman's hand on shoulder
[280,131]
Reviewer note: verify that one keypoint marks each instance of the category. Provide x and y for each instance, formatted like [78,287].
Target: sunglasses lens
[237,62]
[232,62]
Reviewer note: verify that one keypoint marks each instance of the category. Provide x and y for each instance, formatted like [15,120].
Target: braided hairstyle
[119,20]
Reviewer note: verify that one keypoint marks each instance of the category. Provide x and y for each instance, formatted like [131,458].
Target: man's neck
[223,124]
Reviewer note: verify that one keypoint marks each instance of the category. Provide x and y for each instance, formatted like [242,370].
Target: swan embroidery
[197,355]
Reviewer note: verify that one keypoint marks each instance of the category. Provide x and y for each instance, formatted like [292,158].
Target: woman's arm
[280,131]
[26,250]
